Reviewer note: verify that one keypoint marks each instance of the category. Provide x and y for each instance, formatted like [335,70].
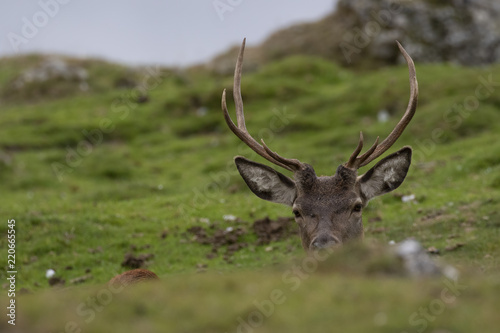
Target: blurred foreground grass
[351,291]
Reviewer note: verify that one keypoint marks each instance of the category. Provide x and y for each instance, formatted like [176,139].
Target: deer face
[327,209]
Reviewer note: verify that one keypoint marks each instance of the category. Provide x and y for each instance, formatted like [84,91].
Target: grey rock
[418,263]
[52,68]
[461,31]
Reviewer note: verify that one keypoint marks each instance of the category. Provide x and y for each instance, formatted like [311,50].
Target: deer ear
[386,175]
[265,182]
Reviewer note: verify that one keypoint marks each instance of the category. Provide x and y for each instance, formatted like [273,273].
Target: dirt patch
[133,261]
[56,281]
[454,247]
[229,238]
[268,230]
[227,241]
[434,217]
[81,279]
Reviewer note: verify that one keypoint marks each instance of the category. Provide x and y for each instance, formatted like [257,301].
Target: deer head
[327,209]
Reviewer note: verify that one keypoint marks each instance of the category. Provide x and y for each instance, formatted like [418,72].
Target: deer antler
[376,150]
[241,131]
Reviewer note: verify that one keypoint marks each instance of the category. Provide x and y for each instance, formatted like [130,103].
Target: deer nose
[323,242]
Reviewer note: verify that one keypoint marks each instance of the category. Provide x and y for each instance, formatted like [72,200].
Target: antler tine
[241,131]
[238,100]
[408,115]
[370,151]
[352,160]
[378,149]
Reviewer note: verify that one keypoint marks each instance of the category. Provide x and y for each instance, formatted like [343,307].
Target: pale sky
[146,31]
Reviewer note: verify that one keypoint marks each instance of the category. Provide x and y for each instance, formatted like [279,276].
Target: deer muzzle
[324,241]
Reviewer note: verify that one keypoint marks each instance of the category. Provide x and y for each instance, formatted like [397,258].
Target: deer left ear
[386,175]
[265,182]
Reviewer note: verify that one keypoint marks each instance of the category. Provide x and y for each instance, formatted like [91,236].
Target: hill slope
[92,174]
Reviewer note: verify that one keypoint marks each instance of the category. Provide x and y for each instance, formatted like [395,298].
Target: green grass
[161,167]
[245,301]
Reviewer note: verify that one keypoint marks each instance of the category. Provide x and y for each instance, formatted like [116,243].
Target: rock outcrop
[460,31]
[362,33]
[53,77]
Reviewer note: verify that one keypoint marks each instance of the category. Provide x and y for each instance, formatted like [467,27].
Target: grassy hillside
[92,175]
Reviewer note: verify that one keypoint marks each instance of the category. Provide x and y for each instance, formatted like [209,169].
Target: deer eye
[296,213]
[357,208]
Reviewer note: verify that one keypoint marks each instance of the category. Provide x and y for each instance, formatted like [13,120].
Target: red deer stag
[327,208]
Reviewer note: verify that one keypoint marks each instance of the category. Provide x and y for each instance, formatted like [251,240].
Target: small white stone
[383,116]
[409,247]
[391,242]
[50,273]
[202,111]
[229,229]
[229,218]
[408,198]
[205,220]
[451,273]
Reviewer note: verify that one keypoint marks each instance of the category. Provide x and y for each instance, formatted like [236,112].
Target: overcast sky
[146,31]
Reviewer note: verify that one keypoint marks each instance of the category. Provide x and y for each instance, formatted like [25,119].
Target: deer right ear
[265,182]
[387,174]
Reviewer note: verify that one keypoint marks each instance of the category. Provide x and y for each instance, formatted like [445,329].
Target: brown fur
[325,206]
[328,209]
[134,276]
